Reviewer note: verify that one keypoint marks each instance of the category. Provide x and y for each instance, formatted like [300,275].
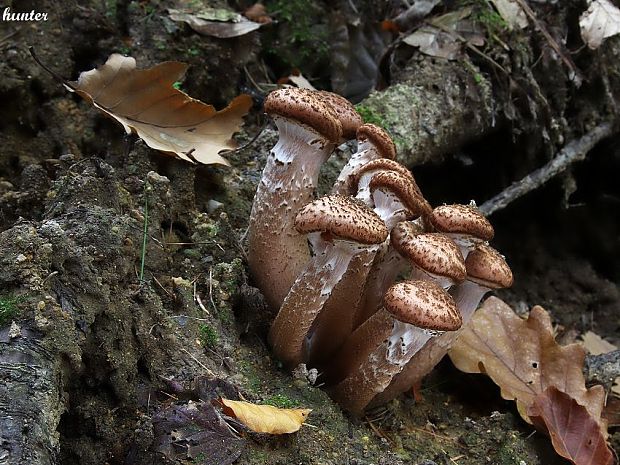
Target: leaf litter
[145,102]
[522,357]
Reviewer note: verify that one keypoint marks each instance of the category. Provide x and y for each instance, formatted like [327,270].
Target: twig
[574,151]
[202,365]
[247,144]
[211,289]
[552,42]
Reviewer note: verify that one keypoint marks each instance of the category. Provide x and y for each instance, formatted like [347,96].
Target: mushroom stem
[380,348]
[276,252]
[340,229]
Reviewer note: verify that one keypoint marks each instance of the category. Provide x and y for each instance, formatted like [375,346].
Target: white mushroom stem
[278,253]
[371,358]
[289,334]
[465,242]
[467,296]
[365,153]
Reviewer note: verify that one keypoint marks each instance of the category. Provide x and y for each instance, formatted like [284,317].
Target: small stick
[577,78]
[574,151]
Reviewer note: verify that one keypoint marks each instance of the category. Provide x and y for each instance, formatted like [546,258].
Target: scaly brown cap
[485,266]
[424,304]
[349,118]
[434,253]
[380,139]
[461,219]
[378,164]
[305,107]
[343,217]
[404,188]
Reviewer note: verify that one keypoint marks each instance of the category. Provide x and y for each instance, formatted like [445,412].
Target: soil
[121,337]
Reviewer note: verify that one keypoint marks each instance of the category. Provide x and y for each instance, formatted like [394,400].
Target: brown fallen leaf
[574,433]
[144,102]
[265,418]
[522,357]
[258,14]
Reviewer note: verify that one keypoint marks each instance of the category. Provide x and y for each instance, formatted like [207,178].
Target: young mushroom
[486,270]
[340,227]
[308,130]
[372,143]
[431,257]
[412,313]
[462,223]
[395,199]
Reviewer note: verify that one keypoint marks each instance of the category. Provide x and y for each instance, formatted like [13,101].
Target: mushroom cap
[343,217]
[433,252]
[379,138]
[424,304]
[486,266]
[350,119]
[404,188]
[307,108]
[378,164]
[461,219]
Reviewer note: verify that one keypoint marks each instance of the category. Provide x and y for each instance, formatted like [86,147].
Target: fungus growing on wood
[486,270]
[340,228]
[308,130]
[412,313]
[462,223]
[394,199]
[372,143]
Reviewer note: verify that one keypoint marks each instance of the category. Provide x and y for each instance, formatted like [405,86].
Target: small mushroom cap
[404,188]
[434,253]
[305,107]
[486,266]
[378,164]
[461,219]
[380,139]
[424,304]
[349,118]
[343,217]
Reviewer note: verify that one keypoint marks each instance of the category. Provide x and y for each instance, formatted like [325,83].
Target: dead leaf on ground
[512,13]
[297,79]
[195,430]
[522,357]
[145,102]
[574,433]
[445,35]
[265,418]
[222,24]
[600,21]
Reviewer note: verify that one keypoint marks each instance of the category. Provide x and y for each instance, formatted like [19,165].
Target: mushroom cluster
[331,265]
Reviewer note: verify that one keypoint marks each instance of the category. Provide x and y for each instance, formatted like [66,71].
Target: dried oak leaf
[522,357]
[574,433]
[145,102]
[265,418]
[600,21]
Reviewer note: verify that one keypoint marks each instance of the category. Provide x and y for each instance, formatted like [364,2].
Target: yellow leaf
[144,101]
[265,418]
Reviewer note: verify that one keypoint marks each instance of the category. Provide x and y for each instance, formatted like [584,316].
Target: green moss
[369,115]
[280,401]
[208,335]
[8,308]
